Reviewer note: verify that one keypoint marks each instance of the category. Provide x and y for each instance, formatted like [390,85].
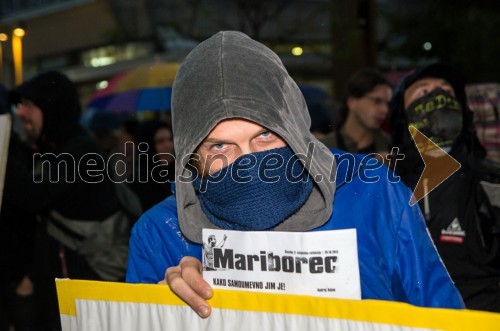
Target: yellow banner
[90,305]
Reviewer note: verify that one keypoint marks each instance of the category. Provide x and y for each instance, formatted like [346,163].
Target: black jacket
[58,176]
[74,193]
[462,221]
[17,225]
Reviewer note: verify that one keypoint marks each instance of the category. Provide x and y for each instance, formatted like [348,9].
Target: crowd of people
[74,208]
[68,206]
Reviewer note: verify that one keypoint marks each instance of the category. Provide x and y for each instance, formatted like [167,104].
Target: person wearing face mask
[463,221]
[235,107]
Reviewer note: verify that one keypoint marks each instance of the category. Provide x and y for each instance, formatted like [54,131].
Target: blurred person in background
[164,143]
[155,163]
[366,106]
[74,207]
[463,221]
[124,151]
[321,109]
[103,126]
[17,249]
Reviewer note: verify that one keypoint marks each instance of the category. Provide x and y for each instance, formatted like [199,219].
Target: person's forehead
[30,107]
[380,89]
[427,81]
[231,126]
[163,132]
[27,102]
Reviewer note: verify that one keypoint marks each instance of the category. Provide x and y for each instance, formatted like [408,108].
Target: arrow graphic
[438,165]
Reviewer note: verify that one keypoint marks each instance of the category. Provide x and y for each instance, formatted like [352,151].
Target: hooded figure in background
[48,107]
[17,246]
[233,102]
[463,221]
[58,183]
[451,129]
[57,98]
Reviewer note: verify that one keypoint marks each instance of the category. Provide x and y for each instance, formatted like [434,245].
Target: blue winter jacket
[397,259]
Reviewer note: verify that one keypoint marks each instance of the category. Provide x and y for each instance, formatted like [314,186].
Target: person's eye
[266,134]
[218,147]
[422,92]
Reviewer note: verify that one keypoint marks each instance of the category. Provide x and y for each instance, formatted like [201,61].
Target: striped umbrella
[145,88]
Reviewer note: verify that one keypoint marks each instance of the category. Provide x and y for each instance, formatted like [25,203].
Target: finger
[182,289]
[186,293]
[191,272]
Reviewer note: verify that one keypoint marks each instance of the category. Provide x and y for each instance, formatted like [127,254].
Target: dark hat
[440,70]
[57,97]
[46,90]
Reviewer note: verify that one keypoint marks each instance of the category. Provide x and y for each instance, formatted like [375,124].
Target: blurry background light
[18,32]
[3,37]
[102,61]
[427,46]
[17,54]
[297,51]
[102,84]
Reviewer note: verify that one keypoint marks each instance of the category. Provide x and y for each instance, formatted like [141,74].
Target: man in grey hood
[223,79]
[234,106]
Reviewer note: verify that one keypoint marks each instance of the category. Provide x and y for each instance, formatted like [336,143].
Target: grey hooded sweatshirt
[232,76]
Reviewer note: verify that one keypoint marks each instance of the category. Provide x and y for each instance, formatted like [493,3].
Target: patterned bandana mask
[256,192]
[438,115]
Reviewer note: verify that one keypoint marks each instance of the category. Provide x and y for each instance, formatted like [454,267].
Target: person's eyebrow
[420,83]
[214,140]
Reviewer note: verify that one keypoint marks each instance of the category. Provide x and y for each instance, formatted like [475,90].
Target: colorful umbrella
[143,88]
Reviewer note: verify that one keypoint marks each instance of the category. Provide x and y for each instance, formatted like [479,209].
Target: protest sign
[108,306]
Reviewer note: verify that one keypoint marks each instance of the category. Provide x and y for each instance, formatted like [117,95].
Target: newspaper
[323,264]
[5,125]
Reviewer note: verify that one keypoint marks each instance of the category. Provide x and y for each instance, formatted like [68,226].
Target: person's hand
[186,281]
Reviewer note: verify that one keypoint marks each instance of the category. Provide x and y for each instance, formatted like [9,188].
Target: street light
[297,51]
[17,54]
[3,37]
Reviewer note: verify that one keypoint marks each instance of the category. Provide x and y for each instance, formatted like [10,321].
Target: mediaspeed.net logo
[140,167]
[119,168]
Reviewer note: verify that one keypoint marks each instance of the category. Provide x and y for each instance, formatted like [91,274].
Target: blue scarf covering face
[256,192]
